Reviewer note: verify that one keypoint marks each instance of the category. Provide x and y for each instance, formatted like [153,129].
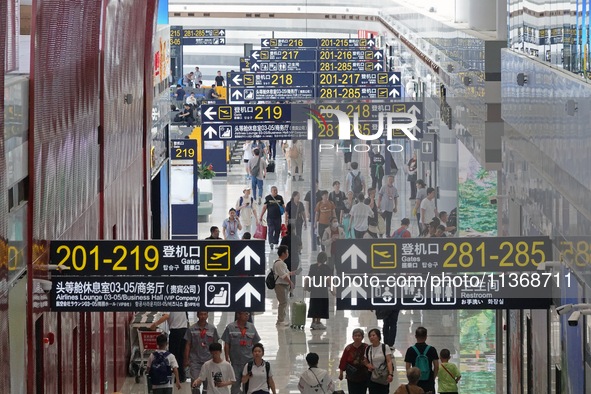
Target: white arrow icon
[394,78]
[354,253]
[378,55]
[208,112]
[394,93]
[222,41]
[237,79]
[414,110]
[255,55]
[237,94]
[246,254]
[248,291]
[416,130]
[353,292]
[254,66]
[222,32]
[378,66]
[370,43]
[266,43]
[210,132]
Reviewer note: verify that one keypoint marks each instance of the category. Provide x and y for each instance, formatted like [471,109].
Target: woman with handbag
[295,213]
[378,360]
[352,362]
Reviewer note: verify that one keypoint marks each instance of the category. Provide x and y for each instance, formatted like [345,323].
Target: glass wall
[554,31]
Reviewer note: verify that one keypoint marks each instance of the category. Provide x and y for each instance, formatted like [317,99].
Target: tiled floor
[287,347]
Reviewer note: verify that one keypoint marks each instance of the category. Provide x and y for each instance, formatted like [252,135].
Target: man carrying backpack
[354,180]
[161,366]
[425,358]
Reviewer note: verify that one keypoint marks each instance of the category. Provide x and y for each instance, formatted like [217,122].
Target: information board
[176,33]
[303,54]
[350,54]
[486,291]
[316,42]
[159,257]
[450,255]
[168,293]
[204,41]
[282,66]
[270,79]
[352,93]
[290,121]
[331,65]
[366,79]
[266,93]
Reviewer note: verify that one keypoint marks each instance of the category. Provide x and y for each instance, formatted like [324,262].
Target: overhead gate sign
[444,273]
[152,275]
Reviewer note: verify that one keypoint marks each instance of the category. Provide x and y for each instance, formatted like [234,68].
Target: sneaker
[272,246]
[301,179]
[282,324]
[392,349]
[293,178]
[259,201]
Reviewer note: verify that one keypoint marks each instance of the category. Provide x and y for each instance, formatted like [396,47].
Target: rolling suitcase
[271,166]
[298,315]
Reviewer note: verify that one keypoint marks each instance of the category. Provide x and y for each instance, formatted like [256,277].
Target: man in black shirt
[186,115]
[275,207]
[219,80]
[412,353]
[214,233]
[212,94]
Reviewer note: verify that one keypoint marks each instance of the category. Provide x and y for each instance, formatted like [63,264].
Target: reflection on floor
[468,335]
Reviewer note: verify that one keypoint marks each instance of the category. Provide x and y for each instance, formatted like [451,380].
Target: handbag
[283,230]
[260,232]
[381,227]
[350,370]
[380,374]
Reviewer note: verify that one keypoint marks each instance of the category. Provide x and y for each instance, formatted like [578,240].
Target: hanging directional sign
[265,93]
[350,54]
[359,79]
[289,42]
[368,116]
[244,64]
[255,130]
[302,54]
[331,65]
[203,36]
[468,291]
[281,66]
[159,257]
[168,293]
[352,93]
[270,79]
[316,42]
[204,41]
[239,113]
[452,255]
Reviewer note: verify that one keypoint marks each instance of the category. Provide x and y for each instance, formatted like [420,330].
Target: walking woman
[318,308]
[352,363]
[295,213]
[378,360]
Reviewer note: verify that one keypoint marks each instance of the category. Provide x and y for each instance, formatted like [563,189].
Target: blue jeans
[254,183]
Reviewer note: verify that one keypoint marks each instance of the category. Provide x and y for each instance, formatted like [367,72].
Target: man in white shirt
[191,100]
[360,213]
[217,371]
[428,208]
[315,380]
[283,283]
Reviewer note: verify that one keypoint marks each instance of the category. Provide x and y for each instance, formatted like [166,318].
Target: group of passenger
[238,366]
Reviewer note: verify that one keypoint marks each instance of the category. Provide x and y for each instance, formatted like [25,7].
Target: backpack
[256,170]
[270,279]
[356,184]
[160,370]
[399,234]
[249,371]
[422,363]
